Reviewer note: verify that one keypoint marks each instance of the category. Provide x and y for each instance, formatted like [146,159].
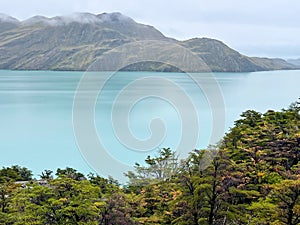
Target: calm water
[36,112]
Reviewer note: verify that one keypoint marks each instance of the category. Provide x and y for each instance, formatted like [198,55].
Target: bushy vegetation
[253,177]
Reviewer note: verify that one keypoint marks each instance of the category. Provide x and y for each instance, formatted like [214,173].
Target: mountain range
[74,42]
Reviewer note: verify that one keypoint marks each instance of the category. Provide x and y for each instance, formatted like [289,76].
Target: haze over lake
[36,112]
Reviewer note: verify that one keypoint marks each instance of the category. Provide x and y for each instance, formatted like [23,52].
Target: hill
[73,42]
[294,61]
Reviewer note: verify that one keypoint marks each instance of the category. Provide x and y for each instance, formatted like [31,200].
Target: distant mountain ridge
[294,61]
[73,42]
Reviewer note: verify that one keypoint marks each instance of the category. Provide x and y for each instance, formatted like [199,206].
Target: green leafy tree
[286,196]
[70,173]
[46,175]
[15,173]
[157,169]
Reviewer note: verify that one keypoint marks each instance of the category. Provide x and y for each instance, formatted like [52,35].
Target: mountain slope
[7,23]
[73,42]
[222,58]
[294,61]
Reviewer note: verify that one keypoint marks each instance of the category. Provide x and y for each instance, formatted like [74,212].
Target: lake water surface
[36,109]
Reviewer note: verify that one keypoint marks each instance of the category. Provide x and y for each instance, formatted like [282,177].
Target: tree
[70,173]
[46,175]
[6,190]
[205,187]
[26,205]
[15,173]
[116,210]
[159,168]
[73,202]
[107,186]
[286,196]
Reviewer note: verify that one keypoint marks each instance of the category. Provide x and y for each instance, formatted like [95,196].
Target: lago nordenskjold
[36,109]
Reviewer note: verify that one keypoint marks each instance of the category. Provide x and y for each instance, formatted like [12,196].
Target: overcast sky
[254,27]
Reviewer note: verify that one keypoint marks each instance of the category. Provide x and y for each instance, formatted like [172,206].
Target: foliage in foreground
[252,178]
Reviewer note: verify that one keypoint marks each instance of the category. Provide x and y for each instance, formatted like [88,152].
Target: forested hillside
[254,178]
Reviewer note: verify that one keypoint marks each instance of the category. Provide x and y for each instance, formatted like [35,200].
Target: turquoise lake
[36,113]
